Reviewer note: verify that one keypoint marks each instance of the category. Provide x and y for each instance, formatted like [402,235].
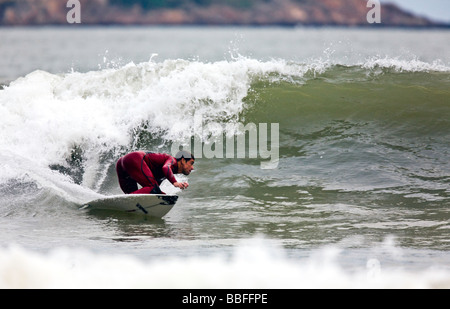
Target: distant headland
[209,12]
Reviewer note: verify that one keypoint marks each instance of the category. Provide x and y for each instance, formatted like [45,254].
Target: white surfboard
[154,205]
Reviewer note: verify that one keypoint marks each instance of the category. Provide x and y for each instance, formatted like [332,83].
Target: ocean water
[357,127]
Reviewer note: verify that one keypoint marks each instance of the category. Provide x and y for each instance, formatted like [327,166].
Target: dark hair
[184,155]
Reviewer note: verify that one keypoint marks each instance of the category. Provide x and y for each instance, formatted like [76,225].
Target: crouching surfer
[150,169]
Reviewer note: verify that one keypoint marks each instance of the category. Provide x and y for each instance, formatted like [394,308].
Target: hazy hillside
[206,12]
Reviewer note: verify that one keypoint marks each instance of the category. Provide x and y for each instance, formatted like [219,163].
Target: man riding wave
[150,169]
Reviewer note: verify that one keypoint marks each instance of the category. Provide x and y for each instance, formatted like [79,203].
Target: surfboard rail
[154,205]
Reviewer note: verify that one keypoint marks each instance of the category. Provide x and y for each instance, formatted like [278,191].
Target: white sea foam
[252,265]
[45,116]
[402,65]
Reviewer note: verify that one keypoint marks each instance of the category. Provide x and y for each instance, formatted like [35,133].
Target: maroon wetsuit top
[147,169]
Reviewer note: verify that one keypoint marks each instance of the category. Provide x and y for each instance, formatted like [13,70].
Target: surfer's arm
[167,170]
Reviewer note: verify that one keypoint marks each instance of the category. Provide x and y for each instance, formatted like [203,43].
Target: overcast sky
[435,9]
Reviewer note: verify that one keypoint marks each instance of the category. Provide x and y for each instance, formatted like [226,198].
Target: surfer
[150,169]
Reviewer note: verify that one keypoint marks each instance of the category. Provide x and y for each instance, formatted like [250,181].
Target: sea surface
[345,184]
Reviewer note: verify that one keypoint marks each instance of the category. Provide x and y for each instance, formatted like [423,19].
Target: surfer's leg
[148,181]
[127,184]
[138,172]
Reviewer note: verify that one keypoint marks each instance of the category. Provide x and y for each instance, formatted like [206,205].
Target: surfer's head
[185,161]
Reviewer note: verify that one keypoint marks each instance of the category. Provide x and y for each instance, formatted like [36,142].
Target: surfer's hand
[181,185]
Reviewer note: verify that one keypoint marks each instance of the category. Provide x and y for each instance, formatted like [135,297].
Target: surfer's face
[187,166]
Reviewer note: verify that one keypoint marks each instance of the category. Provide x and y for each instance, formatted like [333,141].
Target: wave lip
[400,65]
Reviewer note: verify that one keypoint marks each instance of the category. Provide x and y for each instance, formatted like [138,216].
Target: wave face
[362,128]
[376,125]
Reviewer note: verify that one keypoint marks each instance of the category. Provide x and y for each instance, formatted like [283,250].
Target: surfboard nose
[169,200]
